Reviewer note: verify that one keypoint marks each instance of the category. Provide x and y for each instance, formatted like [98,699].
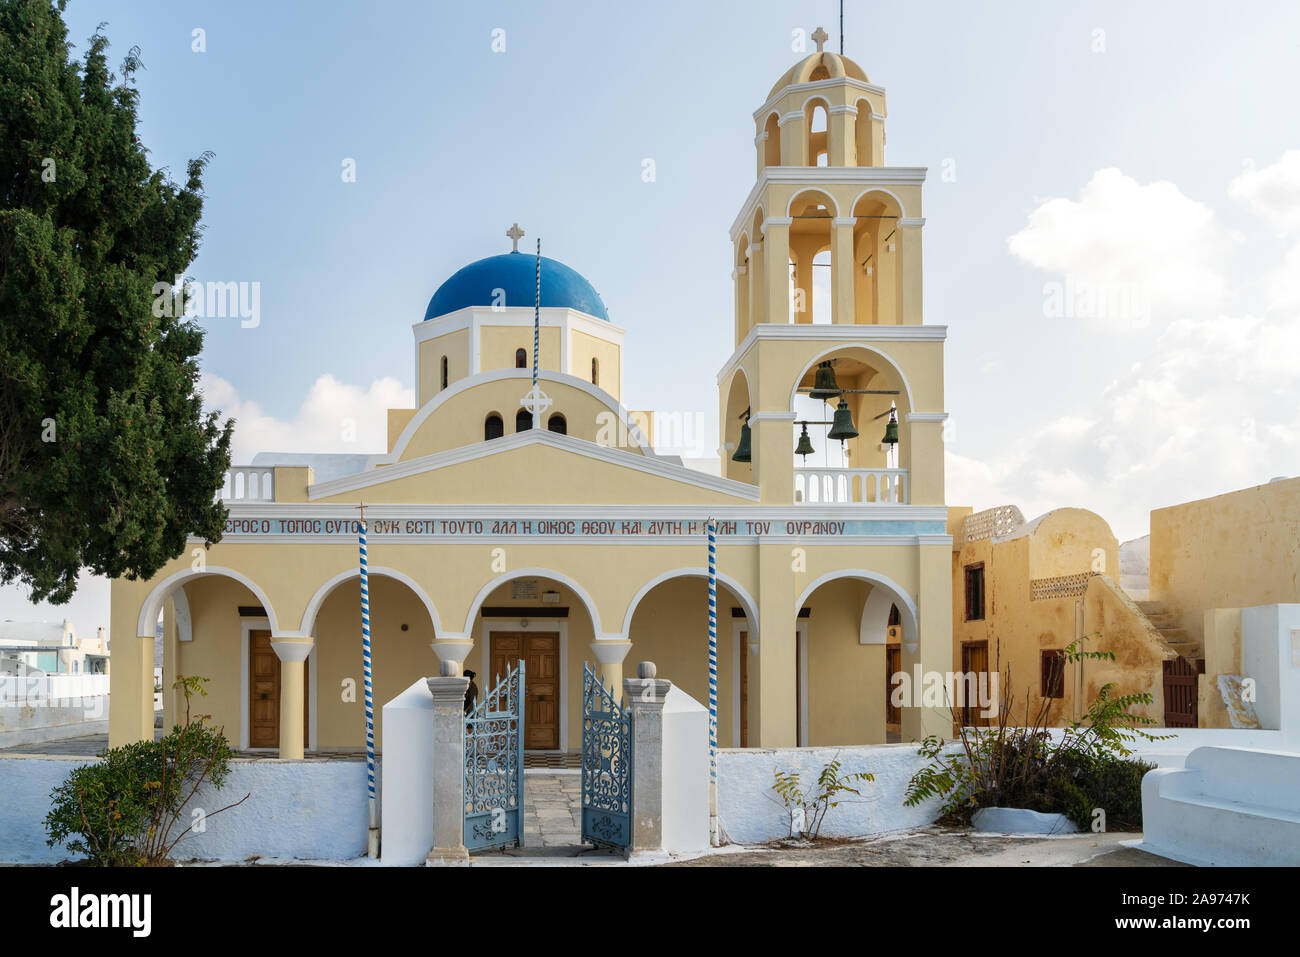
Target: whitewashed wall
[308,809]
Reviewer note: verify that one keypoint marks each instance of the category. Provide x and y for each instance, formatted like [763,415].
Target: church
[829,577]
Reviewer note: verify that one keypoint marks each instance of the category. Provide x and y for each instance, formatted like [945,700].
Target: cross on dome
[820,37]
[514,233]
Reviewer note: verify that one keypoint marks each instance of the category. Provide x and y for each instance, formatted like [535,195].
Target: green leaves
[812,809]
[107,461]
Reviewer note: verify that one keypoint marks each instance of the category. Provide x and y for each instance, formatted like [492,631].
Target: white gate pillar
[644,696]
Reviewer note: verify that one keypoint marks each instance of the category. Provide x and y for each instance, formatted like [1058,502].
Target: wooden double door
[540,652]
[264,694]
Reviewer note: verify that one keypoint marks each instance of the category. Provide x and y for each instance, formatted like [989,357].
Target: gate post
[644,696]
[448,693]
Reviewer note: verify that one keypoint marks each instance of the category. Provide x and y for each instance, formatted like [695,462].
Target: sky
[1112,211]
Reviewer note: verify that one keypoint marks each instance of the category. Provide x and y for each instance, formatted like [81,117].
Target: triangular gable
[536,467]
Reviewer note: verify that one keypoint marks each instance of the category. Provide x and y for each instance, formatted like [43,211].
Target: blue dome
[515,273]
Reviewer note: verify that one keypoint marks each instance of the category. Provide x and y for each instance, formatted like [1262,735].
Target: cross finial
[820,37]
[515,234]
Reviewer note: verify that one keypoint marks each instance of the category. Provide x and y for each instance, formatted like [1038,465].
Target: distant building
[35,647]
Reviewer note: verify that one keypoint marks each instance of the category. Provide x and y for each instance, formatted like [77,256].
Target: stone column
[842,308]
[909,246]
[130,706]
[644,696]
[840,125]
[771,437]
[772,717]
[292,652]
[776,268]
[448,692]
[921,453]
[757,289]
[740,283]
[610,652]
[794,139]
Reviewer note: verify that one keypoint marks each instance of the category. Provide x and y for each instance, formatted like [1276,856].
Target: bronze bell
[842,425]
[824,385]
[891,429]
[742,447]
[804,447]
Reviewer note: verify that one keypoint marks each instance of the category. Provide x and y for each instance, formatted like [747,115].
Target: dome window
[557,424]
[595,371]
[444,373]
[493,427]
[523,420]
[521,359]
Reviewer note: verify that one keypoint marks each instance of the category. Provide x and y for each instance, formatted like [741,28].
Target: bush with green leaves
[126,809]
[813,807]
[1075,770]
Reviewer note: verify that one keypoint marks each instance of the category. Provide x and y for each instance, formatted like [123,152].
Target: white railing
[46,691]
[246,483]
[850,486]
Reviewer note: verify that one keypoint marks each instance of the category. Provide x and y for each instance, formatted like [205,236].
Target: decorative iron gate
[494,766]
[606,765]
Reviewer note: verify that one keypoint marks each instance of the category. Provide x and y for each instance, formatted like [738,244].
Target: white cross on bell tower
[820,37]
[536,401]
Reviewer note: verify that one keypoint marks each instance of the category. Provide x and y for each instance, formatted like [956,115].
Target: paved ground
[88,746]
[935,846]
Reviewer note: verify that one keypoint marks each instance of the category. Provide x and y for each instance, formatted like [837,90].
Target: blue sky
[1186,102]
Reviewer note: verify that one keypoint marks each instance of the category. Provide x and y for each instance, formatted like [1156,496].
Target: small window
[595,372]
[493,427]
[1053,669]
[521,359]
[523,420]
[557,424]
[975,592]
[444,373]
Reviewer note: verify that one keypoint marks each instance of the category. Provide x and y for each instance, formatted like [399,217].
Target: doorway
[264,694]
[975,658]
[540,652]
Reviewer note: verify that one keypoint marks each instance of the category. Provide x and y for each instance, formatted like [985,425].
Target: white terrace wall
[50,707]
[314,809]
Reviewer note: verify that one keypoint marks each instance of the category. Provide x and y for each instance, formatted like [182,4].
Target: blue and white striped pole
[370,701]
[711,525]
[537,335]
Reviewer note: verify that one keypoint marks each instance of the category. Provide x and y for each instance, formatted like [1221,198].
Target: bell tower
[828,303]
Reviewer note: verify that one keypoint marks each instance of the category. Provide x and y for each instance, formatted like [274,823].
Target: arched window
[493,427]
[595,371]
[521,359]
[523,420]
[444,373]
[556,423]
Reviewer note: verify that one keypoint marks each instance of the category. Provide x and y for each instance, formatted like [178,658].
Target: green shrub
[1087,764]
[125,810]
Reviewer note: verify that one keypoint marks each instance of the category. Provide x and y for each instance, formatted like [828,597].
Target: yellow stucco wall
[1231,551]
[584,347]
[455,346]
[846,680]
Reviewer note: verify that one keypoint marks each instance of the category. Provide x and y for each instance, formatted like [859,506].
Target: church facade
[829,577]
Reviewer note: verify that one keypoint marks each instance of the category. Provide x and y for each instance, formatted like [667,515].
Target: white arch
[318,599]
[469,382]
[835,209]
[751,608]
[535,573]
[875,350]
[902,210]
[906,606]
[149,610]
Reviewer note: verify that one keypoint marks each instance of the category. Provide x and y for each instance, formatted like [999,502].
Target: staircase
[1163,621]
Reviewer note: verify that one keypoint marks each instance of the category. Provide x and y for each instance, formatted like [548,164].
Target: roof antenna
[841,27]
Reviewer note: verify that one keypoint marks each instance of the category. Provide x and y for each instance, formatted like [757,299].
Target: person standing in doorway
[471,693]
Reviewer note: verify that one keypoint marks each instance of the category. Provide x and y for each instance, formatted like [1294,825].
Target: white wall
[297,809]
[407,818]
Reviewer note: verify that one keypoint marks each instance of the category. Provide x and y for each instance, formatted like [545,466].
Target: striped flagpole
[370,701]
[537,332]
[712,527]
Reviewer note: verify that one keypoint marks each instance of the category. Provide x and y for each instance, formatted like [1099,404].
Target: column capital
[611,651]
[842,221]
[777,221]
[909,221]
[292,649]
[448,691]
[939,417]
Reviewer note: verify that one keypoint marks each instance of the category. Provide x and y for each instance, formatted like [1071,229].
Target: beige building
[521,511]
[1169,607]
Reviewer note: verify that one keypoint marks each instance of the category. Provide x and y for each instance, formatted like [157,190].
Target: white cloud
[1213,408]
[1273,193]
[1124,252]
[334,417]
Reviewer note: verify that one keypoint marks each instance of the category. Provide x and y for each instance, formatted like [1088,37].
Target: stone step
[1191,650]
[1173,635]
[1152,607]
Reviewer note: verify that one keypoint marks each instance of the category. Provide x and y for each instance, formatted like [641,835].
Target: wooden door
[1182,693]
[893,663]
[264,694]
[975,658]
[541,654]
[744,689]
